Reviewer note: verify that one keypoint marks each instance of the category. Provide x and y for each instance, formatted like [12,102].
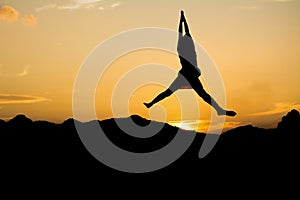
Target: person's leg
[159,97]
[173,87]
[197,86]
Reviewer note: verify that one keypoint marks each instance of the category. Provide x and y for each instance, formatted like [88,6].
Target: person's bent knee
[168,92]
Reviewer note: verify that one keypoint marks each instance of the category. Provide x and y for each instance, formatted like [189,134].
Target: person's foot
[148,105]
[230,113]
[227,112]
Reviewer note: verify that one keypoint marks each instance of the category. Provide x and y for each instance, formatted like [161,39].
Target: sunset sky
[255,45]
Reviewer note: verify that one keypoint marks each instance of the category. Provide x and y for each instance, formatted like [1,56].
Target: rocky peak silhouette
[42,146]
[20,121]
[290,122]
[2,122]
[140,120]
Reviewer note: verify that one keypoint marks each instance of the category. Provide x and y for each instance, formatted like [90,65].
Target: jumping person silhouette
[188,75]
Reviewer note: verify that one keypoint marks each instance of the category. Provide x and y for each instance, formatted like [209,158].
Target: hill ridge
[290,121]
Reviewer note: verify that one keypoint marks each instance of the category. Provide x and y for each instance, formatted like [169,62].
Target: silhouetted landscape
[45,150]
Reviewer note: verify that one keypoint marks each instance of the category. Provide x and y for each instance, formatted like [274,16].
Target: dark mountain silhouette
[47,151]
[20,120]
[140,120]
[290,122]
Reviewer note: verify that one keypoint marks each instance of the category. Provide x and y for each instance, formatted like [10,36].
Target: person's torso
[188,56]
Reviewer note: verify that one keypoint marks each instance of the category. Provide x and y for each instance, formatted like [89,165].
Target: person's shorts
[180,83]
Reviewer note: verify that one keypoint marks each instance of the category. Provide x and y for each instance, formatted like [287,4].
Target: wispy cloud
[249,7]
[277,1]
[8,14]
[87,1]
[81,4]
[115,4]
[46,7]
[29,20]
[69,7]
[257,5]
[280,1]
[24,72]
[77,4]
[278,108]
[20,99]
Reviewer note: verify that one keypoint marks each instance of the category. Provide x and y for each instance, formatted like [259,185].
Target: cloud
[80,4]
[278,1]
[29,20]
[258,5]
[46,7]
[77,4]
[115,4]
[282,1]
[24,72]
[8,14]
[87,1]
[69,7]
[20,99]
[278,108]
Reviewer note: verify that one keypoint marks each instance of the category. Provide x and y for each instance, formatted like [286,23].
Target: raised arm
[186,27]
[180,26]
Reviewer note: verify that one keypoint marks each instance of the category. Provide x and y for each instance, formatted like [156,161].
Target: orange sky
[255,45]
